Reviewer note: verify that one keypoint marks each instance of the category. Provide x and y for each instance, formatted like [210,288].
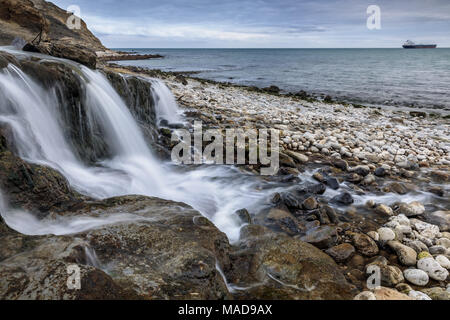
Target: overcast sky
[263,23]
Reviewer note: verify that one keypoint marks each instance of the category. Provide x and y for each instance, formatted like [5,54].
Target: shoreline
[380,205]
[325,220]
[419,111]
[321,113]
[358,189]
[112,55]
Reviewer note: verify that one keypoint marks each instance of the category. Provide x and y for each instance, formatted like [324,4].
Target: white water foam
[33,114]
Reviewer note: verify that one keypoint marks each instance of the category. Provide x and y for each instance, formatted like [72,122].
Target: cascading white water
[33,114]
[166,106]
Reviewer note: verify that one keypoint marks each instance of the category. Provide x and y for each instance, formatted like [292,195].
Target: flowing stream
[33,113]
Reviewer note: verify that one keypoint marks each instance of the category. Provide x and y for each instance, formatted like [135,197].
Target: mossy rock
[424,254]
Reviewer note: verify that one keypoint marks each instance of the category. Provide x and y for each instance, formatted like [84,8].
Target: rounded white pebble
[416,276]
[386,234]
[365,295]
[418,295]
[433,269]
[443,261]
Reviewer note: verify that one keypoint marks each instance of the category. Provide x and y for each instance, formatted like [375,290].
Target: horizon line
[288,48]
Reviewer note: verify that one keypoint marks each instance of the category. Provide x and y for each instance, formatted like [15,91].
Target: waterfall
[166,106]
[34,115]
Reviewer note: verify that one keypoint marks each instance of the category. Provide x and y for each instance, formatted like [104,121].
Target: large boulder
[44,26]
[276,266]
[36,188]
[39,270]
[166,251]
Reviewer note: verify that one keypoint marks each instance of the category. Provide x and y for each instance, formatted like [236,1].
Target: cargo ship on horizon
[411,45]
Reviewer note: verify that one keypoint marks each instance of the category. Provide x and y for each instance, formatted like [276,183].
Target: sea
[401,78]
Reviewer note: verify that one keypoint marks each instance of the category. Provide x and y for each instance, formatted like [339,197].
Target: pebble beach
[374,150]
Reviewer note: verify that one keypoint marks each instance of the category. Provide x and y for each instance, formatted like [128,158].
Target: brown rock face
[24,15]
[276,266]
[364,244]
[35,188]
[26,19]
[341,252]
[390,294]
[167,251]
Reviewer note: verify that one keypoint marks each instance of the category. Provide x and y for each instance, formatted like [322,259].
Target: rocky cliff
[44,25]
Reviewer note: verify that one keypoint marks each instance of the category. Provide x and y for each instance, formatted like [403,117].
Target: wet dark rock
[298,157]
[328,99]
[353,178]
[380,172]
[287,161]
[440,176]
[322,216]
[312,217]
[276,198]
[440,218]
[166,132]
[343,198]
[290,200]
[361,170]
[437,191]
[318,188]
[322,237]
[329,211]
[332,182]
[29,47]
[244,215]
[36,188]
[318,176]
[163,123]
[310,204]
[437,249]
[396,187]
[137,96]
[357,261]
[272,89]
[342,252]
[164,255]
[286,268]
[182,79]
[283,220]
[356,189]
[289,171]
[176,126]
[290,178]
[302,95]
[364,244]
[341,164]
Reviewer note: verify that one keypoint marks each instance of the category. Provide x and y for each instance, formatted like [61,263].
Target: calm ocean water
[383,77]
